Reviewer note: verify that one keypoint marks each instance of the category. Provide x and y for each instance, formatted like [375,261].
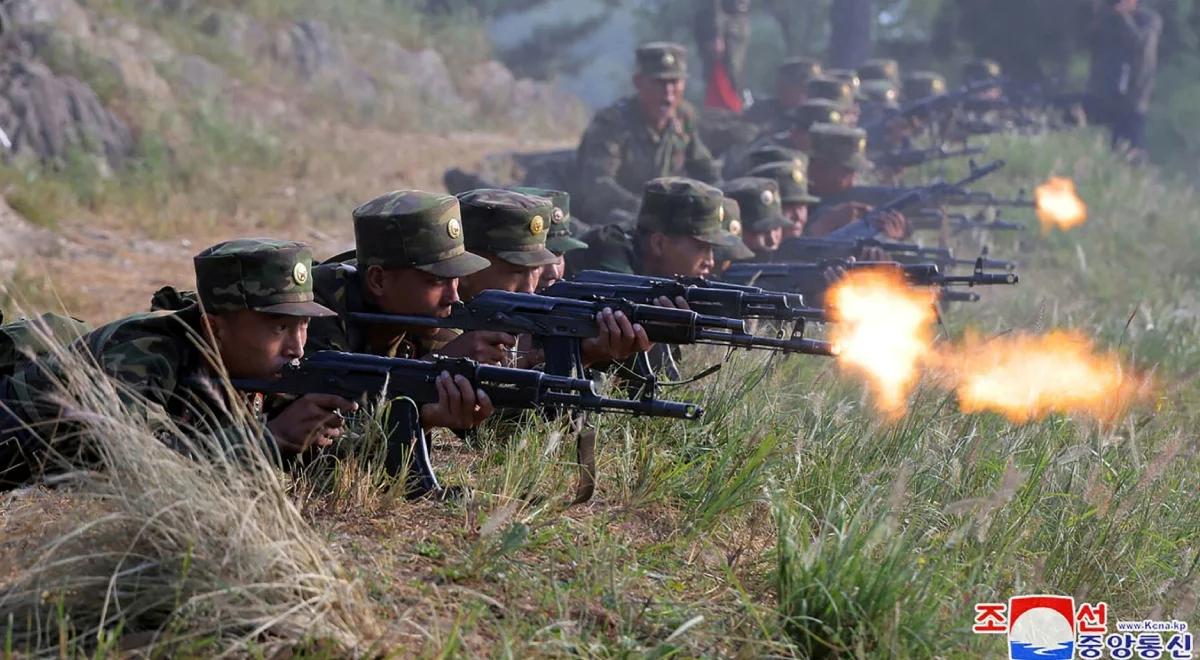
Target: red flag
[720,92]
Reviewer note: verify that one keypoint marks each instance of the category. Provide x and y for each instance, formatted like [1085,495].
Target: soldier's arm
[599,159]
[146,369]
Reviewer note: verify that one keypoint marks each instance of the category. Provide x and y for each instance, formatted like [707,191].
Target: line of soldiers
[261,305]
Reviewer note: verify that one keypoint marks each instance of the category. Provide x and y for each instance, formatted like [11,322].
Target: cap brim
[720,239]
[737,252]
[538,257]
[305,309]
[564,244]
[460,265]
[860,163]
[777,222]
[801,199]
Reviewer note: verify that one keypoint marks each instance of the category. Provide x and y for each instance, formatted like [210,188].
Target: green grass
[791,521]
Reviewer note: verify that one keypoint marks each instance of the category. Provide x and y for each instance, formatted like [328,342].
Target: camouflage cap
[923,84]
[414,229]
[815,111]
[838,91]
[773,153]
[798,70]
[980,70]
[849,76]
[880,69]
[662,59]
[558,237]
[733,225]
[792,179]
[508,224]
[840,145]
[760,202]
[260,274]
[683,207]
[881,92]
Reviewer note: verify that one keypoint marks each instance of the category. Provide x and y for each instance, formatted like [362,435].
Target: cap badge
[767,198]
[668,60]
[558,216]
[454,228]
[835,117]
[735,227]
[721,213]
[300,273]
[862,144]
[798,176]
[537,225]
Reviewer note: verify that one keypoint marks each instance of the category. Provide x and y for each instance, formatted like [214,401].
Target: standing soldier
[255,302]
[1124,63]
[723,34]
[647,136]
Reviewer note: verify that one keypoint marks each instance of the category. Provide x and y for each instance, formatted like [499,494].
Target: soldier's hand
[678,303]
[833,272]
[484,346]
[892,224]
[618,339]
[313,418]
[459,406]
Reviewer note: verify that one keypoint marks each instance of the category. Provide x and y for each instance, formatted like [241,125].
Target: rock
[308,49]
[63,15]
[421,74]
[536,105]
[240,33]
[21,240]
[47,116]
[199,76]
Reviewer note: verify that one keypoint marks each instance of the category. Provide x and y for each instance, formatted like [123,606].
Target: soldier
[791,181]
[510,230]
[838,91]
[678,225]
[791,91]
[255,302]
[559,239]
[762,219]
[650,135]
[723,34]
[838,157]
[922,84]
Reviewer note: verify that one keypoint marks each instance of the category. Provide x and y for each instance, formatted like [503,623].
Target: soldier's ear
[374,279]
[656,244]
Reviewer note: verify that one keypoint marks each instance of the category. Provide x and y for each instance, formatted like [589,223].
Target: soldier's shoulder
[610,248]
[333,282]
[613,118]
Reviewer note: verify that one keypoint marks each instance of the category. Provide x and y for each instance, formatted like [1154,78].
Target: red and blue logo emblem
[1041,627]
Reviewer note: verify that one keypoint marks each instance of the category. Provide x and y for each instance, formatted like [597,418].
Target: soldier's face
[659,99]
[501,275]
[668,256]
[798,139]
[798,215]
[763,242]
[411,291]
[830,179]
[551,273]
[255,344]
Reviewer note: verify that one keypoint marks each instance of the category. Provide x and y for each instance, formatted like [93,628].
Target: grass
[791,521]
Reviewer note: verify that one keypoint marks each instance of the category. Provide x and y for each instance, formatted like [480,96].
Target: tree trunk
[850,32]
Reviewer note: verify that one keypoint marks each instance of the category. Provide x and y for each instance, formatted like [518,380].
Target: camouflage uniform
[760,206]
[619,152]
[402,229]
[161,359]
[511,225]
[791,177]
[560,235]
[880,69]
[795,124]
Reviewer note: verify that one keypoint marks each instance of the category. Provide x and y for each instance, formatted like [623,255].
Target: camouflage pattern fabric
[259,274]
[35,336]
[880,69]
[733,224]
[662,59]
[684,207]
[414,229]
[838,91]
[922,84]
[792,179]
[508,224]
[840,145]
[559,239]
[619,153]
[760,203]
[337,286]
[610,248]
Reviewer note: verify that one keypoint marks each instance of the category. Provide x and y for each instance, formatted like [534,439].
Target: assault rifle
[560,324]
[864,227]
[916,157]
[809,279]
[703,296]
[357,376]
[812,250]
[938,103]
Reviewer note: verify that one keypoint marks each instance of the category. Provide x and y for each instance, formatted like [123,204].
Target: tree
[850,22]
